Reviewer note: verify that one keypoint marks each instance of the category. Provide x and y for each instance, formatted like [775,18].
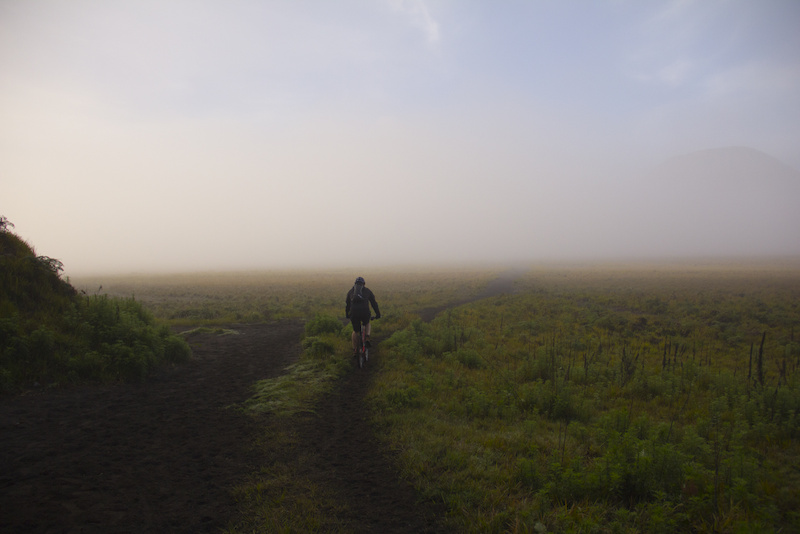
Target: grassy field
[594,399]
[625,399]
[220,298]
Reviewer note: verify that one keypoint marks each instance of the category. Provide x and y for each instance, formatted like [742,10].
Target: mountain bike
[362,351]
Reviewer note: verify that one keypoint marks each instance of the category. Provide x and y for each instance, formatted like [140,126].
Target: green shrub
[323,324]
[470,358]
[176,349]
[51,334]
[42,360]
[319,345]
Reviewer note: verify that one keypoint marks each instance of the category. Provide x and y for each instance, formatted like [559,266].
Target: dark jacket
[369,298]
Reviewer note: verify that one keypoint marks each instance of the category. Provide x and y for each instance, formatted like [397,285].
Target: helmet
[360,281]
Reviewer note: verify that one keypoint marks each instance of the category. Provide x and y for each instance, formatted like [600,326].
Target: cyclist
[357,310]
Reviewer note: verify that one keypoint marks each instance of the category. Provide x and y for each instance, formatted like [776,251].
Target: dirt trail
[154,457]
[348,458]
[503,284]
[347,455]
[162,456]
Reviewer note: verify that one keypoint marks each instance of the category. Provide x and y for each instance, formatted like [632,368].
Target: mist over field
[150,137]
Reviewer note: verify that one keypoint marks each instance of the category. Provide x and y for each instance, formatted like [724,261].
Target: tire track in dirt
[349,459]
[503,284]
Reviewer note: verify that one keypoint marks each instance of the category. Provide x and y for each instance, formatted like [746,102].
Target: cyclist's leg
[367,330]
[356,321]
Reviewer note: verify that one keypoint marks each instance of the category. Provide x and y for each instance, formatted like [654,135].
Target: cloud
[677,42]
[674,74]
[420,17]
[756,78]
[675,10]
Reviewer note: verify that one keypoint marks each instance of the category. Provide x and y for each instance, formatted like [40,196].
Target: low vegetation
[325,343]
[51,334]
[280,498]
[613,401]
[590,400]
[226,298]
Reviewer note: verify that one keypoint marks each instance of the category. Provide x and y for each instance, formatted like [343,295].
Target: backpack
[358,295]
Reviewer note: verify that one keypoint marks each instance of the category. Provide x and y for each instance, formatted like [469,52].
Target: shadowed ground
[162,456]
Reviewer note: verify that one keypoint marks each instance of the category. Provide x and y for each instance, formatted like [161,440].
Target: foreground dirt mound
[154,457]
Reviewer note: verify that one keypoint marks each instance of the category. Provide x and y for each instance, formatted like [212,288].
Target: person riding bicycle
[357,310]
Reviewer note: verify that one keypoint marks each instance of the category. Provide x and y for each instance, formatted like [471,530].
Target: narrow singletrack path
[348,457]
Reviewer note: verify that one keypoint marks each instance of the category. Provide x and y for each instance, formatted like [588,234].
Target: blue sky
[146,136]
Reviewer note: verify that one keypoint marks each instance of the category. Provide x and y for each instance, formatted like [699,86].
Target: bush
[176,350]
[319,346]
[470,358]
[323,324]
[50,334]
[98,338]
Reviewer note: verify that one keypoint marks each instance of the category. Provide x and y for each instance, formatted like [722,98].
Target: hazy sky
[169,135]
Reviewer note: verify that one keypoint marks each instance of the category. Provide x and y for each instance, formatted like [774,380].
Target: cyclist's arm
[374,304]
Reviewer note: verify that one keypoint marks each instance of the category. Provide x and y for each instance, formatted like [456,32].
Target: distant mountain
[738,166]
[727,201]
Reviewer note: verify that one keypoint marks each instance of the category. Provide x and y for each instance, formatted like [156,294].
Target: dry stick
[760,361]
[569,366]
[530,333]
[781,372]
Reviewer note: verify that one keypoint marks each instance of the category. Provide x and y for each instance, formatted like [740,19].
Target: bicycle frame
[362,354]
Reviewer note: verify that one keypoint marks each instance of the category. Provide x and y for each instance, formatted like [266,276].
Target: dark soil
[160,456]
[347,454]
[164,455]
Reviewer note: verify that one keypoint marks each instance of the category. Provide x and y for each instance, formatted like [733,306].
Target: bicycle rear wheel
[363,351]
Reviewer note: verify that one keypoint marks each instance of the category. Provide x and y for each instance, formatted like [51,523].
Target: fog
[186,136]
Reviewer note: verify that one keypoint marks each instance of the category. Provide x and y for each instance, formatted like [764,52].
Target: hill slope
[51,334]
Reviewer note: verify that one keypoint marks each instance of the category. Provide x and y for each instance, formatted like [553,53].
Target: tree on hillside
[5,224]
